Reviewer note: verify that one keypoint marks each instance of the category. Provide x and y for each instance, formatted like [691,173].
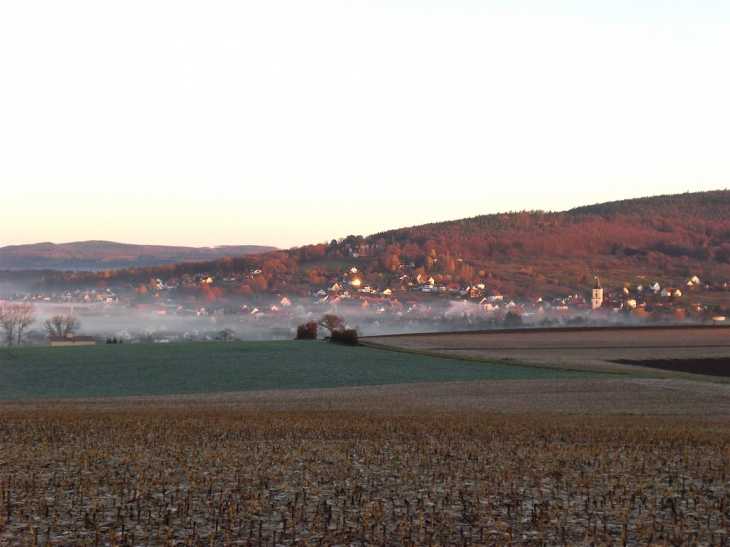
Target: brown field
[115,477]
[588,349]
[612,396]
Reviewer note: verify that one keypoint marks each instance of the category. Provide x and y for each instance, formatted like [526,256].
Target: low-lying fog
[177,322]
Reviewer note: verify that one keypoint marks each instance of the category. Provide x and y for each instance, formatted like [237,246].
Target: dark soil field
[708,366]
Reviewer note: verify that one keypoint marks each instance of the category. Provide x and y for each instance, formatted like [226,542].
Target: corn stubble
[346,479]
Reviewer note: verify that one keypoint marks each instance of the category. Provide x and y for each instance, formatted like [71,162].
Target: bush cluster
[307,331]
[347,337]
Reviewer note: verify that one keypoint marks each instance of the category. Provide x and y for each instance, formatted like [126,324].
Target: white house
[495,296]
[670,291]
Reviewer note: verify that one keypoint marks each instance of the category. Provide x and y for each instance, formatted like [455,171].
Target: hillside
[101,255]
[663,238]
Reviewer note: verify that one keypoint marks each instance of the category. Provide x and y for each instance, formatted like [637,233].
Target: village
[199,307]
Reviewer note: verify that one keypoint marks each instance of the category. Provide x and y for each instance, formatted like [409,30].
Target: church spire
[598,283]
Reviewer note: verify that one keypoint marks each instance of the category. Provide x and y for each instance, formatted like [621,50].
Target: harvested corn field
[366,478]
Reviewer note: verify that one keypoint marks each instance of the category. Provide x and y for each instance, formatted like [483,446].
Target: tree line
[16,320]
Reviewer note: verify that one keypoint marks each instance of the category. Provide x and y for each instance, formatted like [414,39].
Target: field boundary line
[427,353]
[530,330]
[489,348]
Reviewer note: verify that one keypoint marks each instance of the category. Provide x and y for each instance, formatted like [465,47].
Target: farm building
[71,340]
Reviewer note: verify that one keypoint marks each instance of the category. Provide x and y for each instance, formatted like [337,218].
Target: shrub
[347,337]
[513,319]
[308,331]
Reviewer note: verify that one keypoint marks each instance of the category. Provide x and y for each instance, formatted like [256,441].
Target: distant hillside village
[411,302]
[658,259]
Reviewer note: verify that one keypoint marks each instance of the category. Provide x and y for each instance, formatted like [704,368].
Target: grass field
[152,369]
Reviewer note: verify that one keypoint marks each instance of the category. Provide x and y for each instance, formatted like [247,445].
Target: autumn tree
[61,325]
[331,322]
[307,331]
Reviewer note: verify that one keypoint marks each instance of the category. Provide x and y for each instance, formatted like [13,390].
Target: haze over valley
[659,260]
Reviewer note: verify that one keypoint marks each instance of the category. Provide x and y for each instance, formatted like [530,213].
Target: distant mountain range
[102,255]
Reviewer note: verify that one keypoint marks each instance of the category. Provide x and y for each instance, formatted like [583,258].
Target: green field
[152,369]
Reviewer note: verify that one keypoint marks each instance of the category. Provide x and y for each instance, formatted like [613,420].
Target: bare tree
[226,334]
[15,320]
[331,322]
[61,325]
[26,317]
[7,323]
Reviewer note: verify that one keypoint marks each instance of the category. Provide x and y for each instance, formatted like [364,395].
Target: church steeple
[597,295]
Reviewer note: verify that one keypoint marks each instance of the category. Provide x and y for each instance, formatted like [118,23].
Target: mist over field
[261,322]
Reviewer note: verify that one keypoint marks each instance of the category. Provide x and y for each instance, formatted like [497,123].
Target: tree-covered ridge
[696,225]
[97,255]
[698,205]
[517,252]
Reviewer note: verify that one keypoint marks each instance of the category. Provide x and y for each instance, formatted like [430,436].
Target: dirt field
[359,478]
[708,366]
[592,397]
[592,349]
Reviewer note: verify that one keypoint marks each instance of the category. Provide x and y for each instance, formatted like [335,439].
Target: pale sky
[288,123]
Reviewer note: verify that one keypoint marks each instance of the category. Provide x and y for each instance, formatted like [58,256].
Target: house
[475,292]
[670,291]
[71,340]
[495,296]
[655,287]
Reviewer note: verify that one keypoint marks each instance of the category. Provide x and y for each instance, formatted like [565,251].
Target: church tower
[597,296]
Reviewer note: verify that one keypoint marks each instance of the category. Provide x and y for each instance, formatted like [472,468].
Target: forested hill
[700,205]
[100,255]
[696,225]
[665,237]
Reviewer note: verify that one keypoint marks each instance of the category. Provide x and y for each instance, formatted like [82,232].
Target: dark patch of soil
[719,366]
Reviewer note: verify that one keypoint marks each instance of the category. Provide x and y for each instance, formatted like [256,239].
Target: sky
[289,123]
